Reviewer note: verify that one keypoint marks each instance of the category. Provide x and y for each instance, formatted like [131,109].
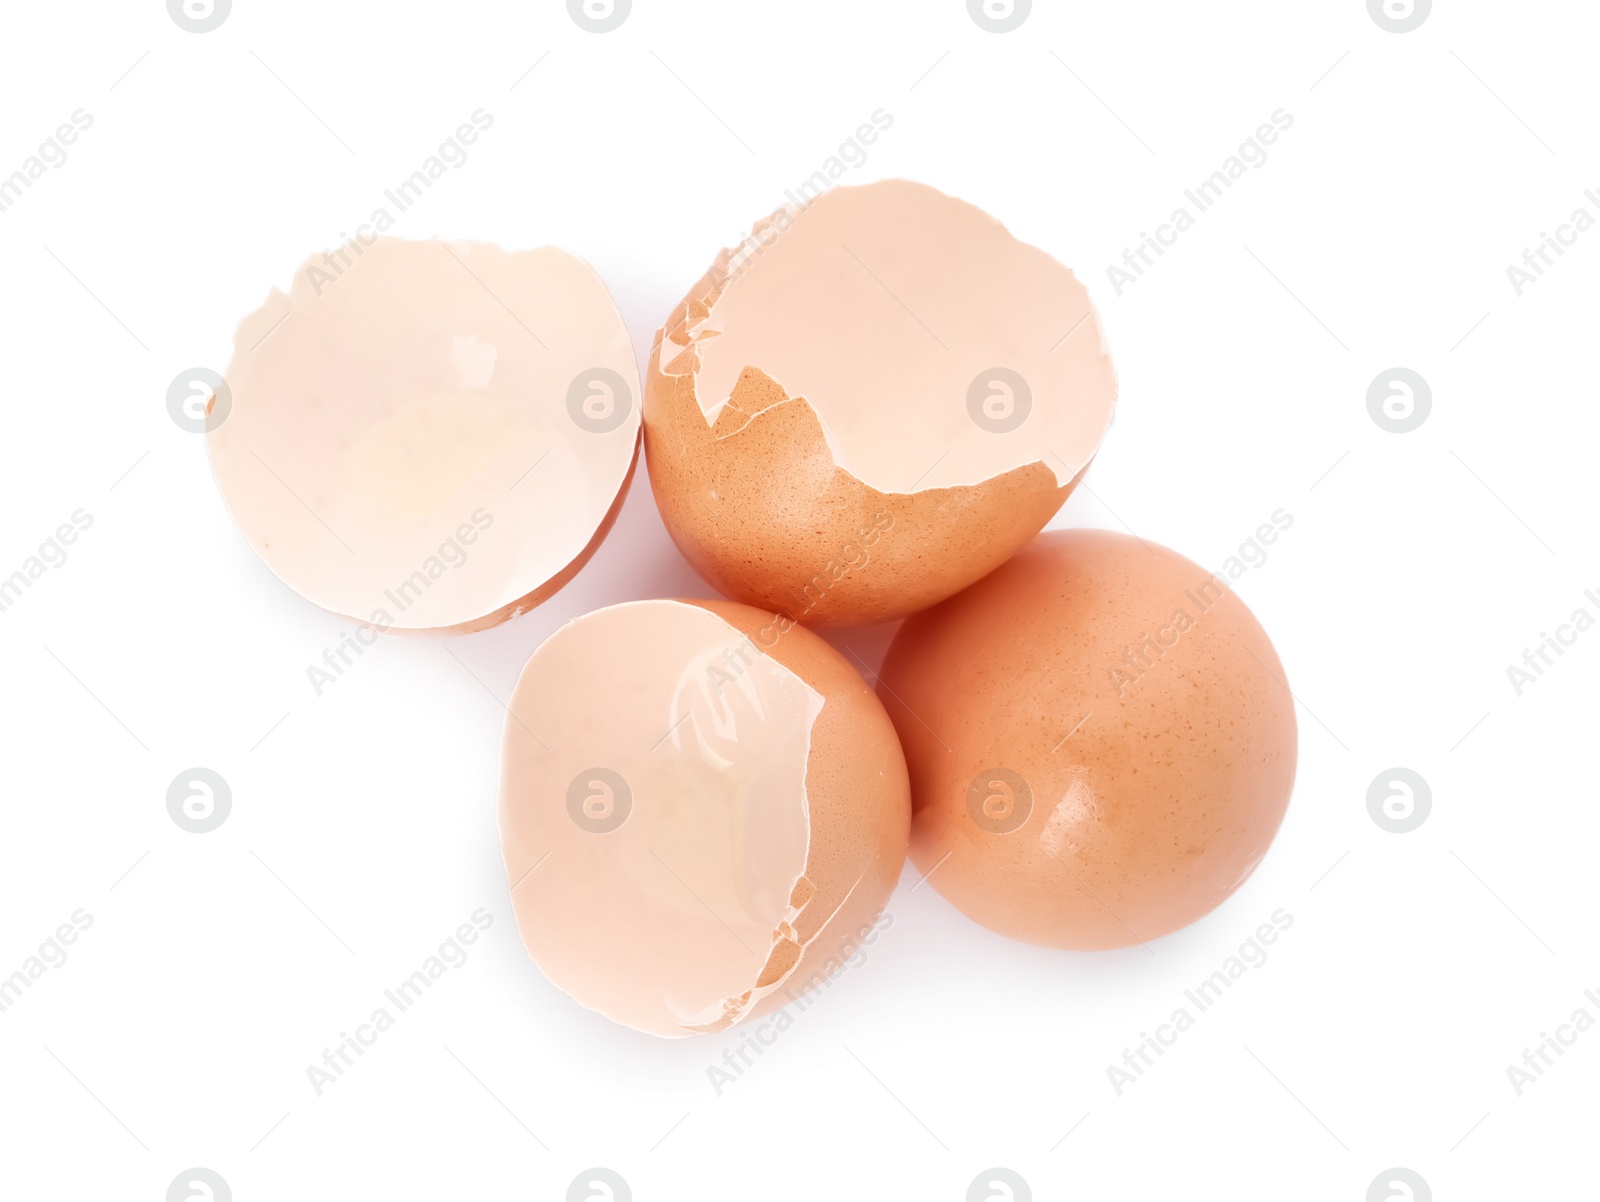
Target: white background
[1418,567]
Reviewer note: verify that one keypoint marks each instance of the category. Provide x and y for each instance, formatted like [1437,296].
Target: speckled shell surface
[767,517]
[812,444]
[1101,741]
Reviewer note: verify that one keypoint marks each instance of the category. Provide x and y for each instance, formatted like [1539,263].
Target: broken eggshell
[703,810]
[429,436]
[872,402]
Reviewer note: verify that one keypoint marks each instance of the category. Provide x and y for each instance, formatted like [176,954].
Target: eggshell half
[429,436]
[871,403]
[703,808]
[1101,741]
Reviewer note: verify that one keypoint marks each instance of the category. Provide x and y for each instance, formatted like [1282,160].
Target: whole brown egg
[1100,738]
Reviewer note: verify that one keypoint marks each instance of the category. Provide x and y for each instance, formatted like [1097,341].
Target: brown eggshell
[876,493]
[1101,741]
[760,801]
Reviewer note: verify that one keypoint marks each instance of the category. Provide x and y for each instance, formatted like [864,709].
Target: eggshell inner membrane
[429,436]
[687,910]
[891,309]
